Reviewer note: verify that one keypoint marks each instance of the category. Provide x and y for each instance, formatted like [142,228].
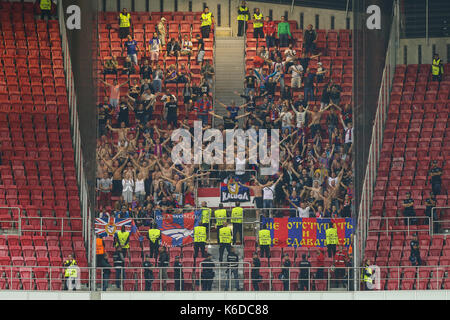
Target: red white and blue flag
[177,229]
[107,226]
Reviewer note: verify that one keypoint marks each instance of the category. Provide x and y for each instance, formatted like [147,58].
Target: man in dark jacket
[232,260]
[285,272]
[415,251]
[178,274]
[163,264]
[106,270]
[256,276]
[305,273]
[148,273]
[119,263]
[208,273]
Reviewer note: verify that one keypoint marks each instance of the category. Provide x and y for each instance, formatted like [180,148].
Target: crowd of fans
[134,146]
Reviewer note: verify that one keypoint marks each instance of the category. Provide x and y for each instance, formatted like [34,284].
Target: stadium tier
[416,134]
[39,195]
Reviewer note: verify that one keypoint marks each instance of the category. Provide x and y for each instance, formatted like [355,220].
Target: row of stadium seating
[37,171]
[416,133]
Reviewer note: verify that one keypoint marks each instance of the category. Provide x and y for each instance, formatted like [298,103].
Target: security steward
[242,18]
[207,19]
[199,240]
[99,251]
[221,217]
[367,276]
[264,242]
[46,9]
[237,215]
[124,23]
[70,274]
[206,215]
[224,240]
[437,68]
[122,240]
[331,240]
[258,24]
[154,236]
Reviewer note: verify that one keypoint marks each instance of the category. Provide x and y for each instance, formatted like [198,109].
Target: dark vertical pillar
[82,44]
[369,52]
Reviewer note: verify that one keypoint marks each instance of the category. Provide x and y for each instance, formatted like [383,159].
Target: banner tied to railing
[307,232]
[177,229]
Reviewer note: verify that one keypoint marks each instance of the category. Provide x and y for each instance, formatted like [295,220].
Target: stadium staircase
[230,71]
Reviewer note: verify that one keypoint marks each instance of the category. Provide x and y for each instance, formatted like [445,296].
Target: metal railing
[439,225]
[247,278]
[75,130]
[406,227]
[9,224]
[377,138]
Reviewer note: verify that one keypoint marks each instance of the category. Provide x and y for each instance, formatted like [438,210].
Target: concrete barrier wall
[238,296]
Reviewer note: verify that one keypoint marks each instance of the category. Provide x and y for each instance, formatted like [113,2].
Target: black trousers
[47,13]
[154,250]
[264,251]
[124,32]
[331,250]
[148,285]
[258,33]
[179,285]
[436,187]
[206,284]
[242,27]
[237,228]
[218,233]
[222,248]
[201,246]
[303,285]
[205,30]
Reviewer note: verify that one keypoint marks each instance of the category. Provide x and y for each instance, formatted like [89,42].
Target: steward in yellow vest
[265,240]
[199,240]
[224,240]
[122,240]
[258,24]
[237,215]
[206,215]
[221,217]
[367,275]
[71,273]
[331,240]
[124,23]
[242,18]
[207,20]
[437,69]
[46,9]
[154,236]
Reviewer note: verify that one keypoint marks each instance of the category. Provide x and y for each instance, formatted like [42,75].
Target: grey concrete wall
[412,46]
[244,296]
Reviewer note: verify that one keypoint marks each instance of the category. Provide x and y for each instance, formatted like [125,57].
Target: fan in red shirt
[269,29]
[340,262]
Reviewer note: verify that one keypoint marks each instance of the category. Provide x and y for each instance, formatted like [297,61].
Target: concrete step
[230,71]
[223,32]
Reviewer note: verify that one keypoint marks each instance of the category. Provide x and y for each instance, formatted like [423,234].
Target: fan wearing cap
[162,31]
[320,72]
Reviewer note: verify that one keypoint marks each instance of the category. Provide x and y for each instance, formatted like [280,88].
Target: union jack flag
[107,226]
